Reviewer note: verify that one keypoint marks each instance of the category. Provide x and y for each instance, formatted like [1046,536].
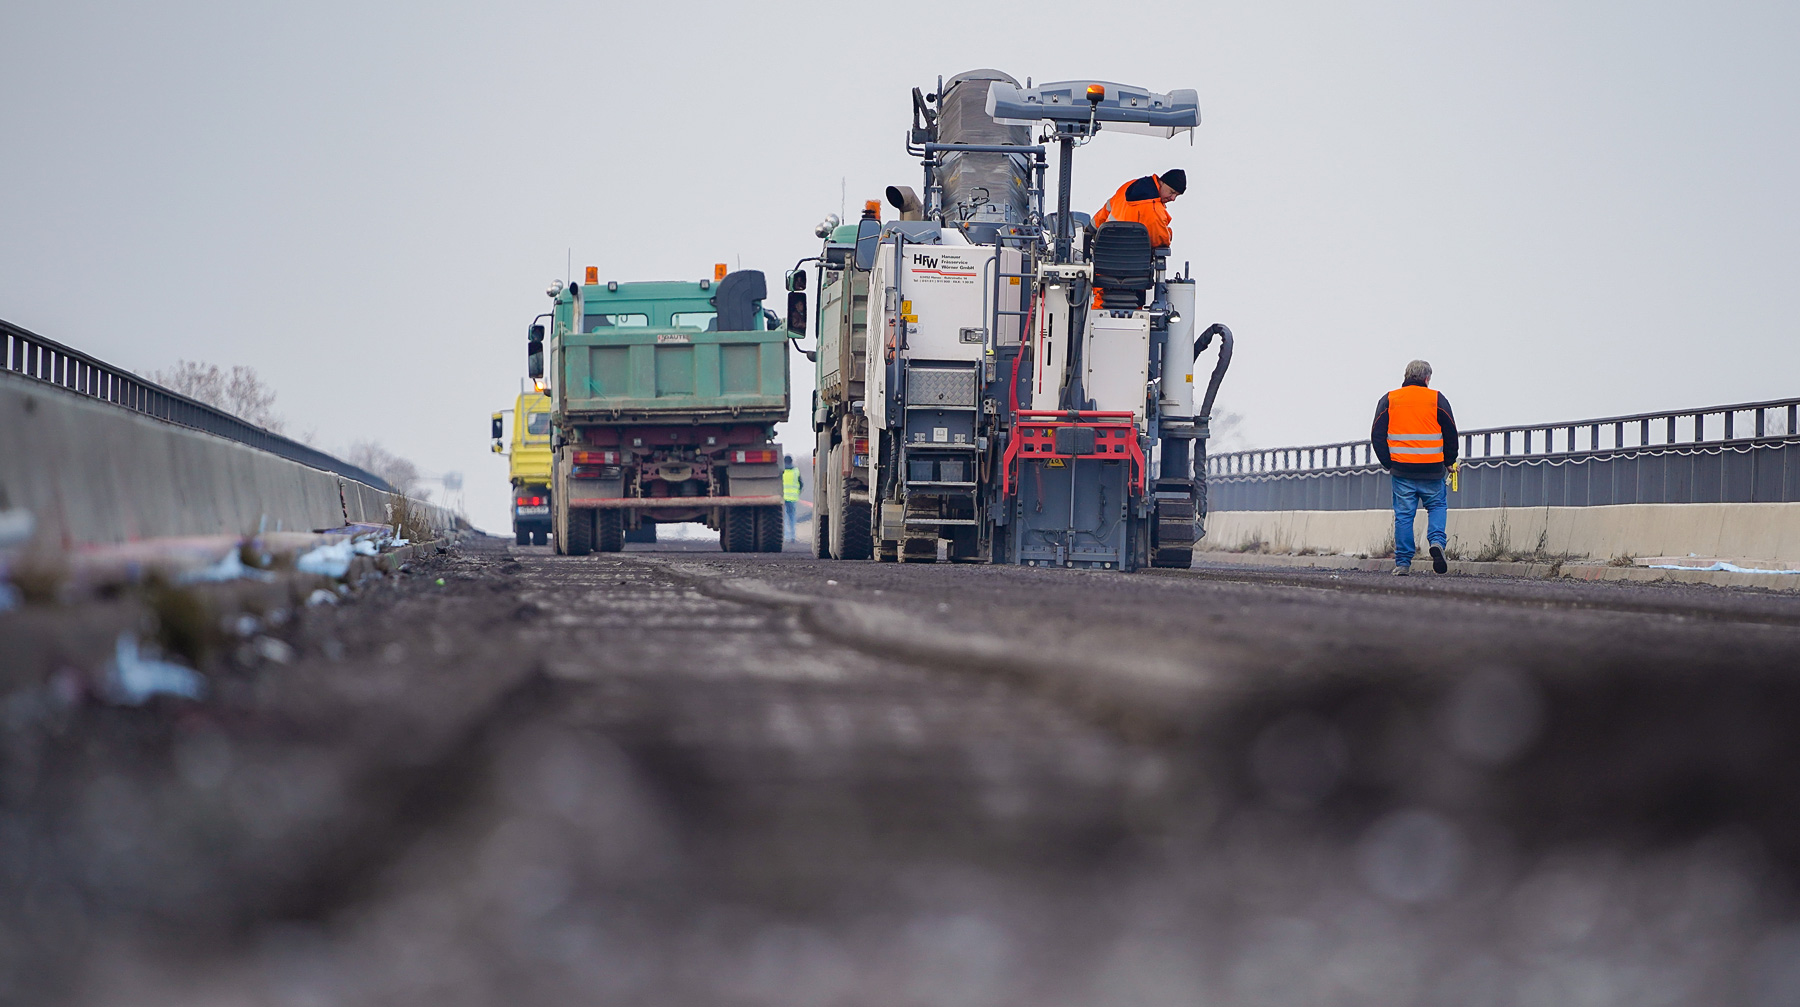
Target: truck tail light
[530,501]
[755,456]
[860,446]
[596,458]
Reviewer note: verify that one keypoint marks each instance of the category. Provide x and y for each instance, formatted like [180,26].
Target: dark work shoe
[1402,571]
[1437,560]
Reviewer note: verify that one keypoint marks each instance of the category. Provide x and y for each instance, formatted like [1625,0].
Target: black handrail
[1674,430]
[26,353]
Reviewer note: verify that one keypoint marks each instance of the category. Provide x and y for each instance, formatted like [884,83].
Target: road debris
[132,678]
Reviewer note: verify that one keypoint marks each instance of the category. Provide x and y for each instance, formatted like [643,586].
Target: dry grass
[1254,543]
[41,577]
[413,521]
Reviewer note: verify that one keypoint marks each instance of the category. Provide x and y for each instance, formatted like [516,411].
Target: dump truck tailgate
[633,372]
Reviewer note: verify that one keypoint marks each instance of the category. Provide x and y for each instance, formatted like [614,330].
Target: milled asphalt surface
[677,776]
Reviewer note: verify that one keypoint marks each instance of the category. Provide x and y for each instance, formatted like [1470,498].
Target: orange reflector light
[593,275]
[718,271]
[1096,93]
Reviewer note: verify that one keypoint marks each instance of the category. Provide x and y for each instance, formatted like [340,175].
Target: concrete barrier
[1765,532]
[90,472]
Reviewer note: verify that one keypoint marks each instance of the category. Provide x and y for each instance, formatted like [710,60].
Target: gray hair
[1417,373]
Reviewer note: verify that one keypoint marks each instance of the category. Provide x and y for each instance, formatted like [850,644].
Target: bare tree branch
[239,392]
[400,473]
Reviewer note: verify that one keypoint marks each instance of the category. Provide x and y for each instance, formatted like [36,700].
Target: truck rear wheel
[828,498]
[540,538]
[739,533]
[581,533]
[610,534]
[854,538]
[771,529]
[521,537]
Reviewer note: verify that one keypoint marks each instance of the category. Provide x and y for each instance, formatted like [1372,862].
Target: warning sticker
[940,265]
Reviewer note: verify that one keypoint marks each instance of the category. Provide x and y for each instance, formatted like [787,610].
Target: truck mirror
[868,237]
[536,335]
[499,428]
[796,279]
[534,359]
[796,319]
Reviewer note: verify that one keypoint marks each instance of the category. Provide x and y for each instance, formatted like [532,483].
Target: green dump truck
[664,399]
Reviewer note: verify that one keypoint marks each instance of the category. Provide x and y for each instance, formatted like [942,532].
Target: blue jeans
[1408,495]
[787,507]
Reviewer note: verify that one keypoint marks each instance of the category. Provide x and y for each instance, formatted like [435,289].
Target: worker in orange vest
[1145,201]
[1414,436]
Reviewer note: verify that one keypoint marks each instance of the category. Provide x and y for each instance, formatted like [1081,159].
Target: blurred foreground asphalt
[676,776]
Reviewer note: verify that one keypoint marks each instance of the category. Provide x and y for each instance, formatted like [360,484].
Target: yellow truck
[530,458]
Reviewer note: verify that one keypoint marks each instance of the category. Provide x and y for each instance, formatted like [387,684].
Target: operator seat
[1124,264]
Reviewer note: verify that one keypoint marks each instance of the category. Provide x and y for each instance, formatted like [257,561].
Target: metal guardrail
[1741,427]
[26,353]
[1743,453]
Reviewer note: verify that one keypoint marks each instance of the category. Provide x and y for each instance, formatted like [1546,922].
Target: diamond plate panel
[940,386]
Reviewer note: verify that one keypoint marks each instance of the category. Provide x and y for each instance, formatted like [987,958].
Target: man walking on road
[790,493]
[1415,437]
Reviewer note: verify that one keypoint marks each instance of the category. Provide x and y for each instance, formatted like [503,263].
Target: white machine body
[1116,359]
[1050,354]
[934,302]
[1177,393]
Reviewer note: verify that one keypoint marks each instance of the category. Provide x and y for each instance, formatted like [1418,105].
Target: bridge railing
[1742,424]
[26,353]
[1743,452]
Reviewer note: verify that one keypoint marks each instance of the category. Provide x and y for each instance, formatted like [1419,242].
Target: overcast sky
[1571,208]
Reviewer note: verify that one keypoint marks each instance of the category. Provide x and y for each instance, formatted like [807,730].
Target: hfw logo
[926,261]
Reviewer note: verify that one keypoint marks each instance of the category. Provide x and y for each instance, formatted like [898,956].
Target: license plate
[859,461]
[531,511]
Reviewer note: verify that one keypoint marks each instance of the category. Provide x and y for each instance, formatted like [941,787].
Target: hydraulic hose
[1200,344]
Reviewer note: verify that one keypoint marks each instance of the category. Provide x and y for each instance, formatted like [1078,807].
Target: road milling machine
[1000,384]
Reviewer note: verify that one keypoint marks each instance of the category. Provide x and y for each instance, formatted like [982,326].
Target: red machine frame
[1034,436]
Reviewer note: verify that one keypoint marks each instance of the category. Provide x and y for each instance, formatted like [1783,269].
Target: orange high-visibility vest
[1414,434]
[1149,212]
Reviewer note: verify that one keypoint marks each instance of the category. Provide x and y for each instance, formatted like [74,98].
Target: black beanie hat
[1175,179]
